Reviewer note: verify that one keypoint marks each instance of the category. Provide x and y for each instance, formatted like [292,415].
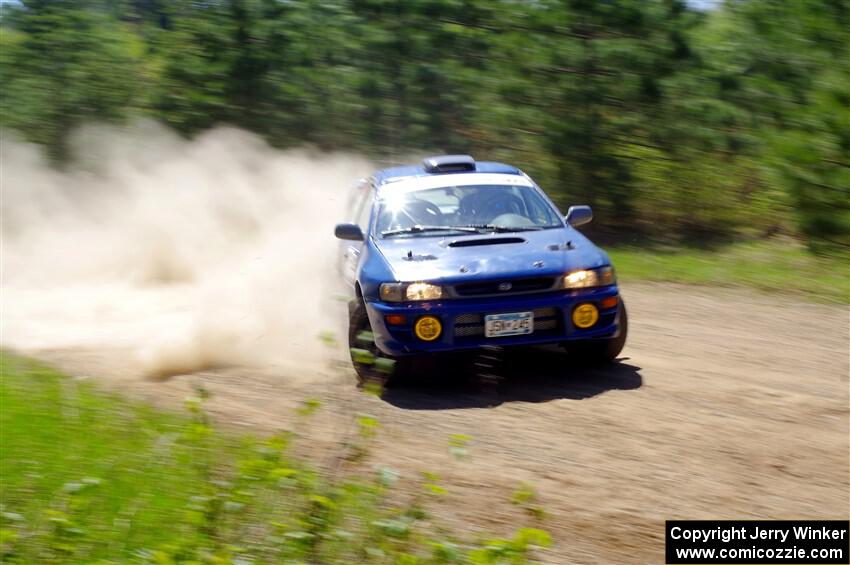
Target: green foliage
[678,126]
[772,266]
[432,484]
[793,80]
[510,551]
[526,497]
[88,477]
[63,65]
[309,407]
[458,444]
[328,338]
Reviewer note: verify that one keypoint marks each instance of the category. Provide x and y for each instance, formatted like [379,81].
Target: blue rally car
[453,255]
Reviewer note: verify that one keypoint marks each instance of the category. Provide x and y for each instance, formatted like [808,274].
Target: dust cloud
[186,254]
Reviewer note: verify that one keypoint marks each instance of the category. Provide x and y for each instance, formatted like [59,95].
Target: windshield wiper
[503,229]
[470,228]
[420,229]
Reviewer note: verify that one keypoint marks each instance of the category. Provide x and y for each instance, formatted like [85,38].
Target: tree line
[677,125]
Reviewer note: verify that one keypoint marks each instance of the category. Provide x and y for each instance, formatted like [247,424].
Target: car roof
[403,185]
[412,171]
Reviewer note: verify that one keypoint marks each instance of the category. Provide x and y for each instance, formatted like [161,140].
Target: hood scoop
[485,241]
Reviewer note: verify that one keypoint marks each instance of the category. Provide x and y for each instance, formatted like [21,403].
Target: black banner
[757,542]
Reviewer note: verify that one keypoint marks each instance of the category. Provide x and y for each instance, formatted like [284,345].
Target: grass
[768,266]
[90,477]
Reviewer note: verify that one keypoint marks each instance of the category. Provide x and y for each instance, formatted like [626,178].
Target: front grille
[517,286]
[472,325]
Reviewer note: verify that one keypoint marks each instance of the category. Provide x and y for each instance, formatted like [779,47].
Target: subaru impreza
[455,255]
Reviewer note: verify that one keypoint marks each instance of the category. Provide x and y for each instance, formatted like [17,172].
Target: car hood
[487,256]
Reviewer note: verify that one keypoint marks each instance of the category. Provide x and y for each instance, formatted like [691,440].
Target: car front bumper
[462,321]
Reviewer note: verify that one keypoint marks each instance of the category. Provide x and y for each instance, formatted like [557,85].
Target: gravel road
[726,404]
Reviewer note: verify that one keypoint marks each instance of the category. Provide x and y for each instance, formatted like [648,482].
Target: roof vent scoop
[449,164]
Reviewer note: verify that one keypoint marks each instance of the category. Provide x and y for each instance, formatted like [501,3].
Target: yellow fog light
[585,315]
[428,328]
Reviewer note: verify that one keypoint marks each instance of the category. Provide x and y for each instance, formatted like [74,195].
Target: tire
[361,345]
[601,351]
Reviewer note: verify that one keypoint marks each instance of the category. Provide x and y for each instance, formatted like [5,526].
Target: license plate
[515,323]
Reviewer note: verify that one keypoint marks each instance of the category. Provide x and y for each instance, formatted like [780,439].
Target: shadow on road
[530,375]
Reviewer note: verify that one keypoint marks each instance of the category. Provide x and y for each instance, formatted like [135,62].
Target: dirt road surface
[726,404]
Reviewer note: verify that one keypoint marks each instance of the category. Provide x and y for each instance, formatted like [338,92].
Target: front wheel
[370,364]
[601,351]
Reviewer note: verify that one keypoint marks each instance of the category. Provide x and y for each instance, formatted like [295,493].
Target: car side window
[364,207]
[537,210]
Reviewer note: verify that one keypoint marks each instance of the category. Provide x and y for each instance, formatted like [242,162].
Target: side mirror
[348,231]
[579,215]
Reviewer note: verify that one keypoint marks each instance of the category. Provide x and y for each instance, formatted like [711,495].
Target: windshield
[464,209]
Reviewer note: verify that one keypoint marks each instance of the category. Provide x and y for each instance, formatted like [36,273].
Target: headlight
[398,292]
[423,291]
[603,276]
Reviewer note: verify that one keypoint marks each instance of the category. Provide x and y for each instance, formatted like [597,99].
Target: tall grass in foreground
[88,477]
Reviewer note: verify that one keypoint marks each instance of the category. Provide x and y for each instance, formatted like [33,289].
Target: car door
[352,250]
